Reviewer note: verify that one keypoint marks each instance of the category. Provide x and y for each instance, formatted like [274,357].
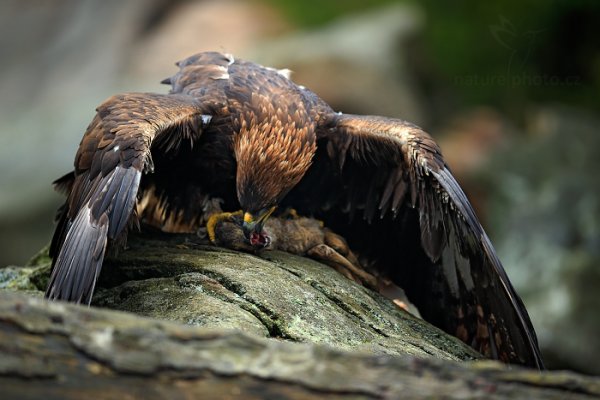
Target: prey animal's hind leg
[330,256]
[308,236]
[339,244]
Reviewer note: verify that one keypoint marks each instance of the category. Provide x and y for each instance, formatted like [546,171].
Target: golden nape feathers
[274,148]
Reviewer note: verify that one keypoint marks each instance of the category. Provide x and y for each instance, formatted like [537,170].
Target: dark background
[509,88]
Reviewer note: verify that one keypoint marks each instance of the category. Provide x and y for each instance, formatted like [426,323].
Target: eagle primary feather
[246,134]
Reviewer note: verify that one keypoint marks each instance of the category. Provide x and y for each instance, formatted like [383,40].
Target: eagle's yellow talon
[214,219]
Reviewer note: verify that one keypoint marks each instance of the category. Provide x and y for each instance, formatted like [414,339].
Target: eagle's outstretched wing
[102,190]
[390,193]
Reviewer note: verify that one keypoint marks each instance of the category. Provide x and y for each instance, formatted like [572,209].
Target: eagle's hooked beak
[253,228]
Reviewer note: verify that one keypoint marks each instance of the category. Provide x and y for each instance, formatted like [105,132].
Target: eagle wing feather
[419,229]
[102,191]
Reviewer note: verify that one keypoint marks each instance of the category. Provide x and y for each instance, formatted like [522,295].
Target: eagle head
[272,157]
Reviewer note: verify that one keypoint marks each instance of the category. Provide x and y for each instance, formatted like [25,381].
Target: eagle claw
[214,219]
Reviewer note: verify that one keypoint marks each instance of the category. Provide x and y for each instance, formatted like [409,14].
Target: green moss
[33,276]
[41,258]
[18,278]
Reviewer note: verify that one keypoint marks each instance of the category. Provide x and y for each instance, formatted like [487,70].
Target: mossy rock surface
[275,295]
[224,325]
[55,350]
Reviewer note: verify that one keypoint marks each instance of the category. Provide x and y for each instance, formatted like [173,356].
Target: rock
[278,295]
[32,277]
[58,350]
[226,323]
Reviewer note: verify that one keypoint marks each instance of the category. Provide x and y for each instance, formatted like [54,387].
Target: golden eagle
[246,134]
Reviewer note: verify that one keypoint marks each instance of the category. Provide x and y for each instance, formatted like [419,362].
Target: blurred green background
[509,88]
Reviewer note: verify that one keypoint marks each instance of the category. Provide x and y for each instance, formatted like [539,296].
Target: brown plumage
[246,134]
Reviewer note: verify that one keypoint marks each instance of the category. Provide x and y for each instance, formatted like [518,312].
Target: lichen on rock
[275,295]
